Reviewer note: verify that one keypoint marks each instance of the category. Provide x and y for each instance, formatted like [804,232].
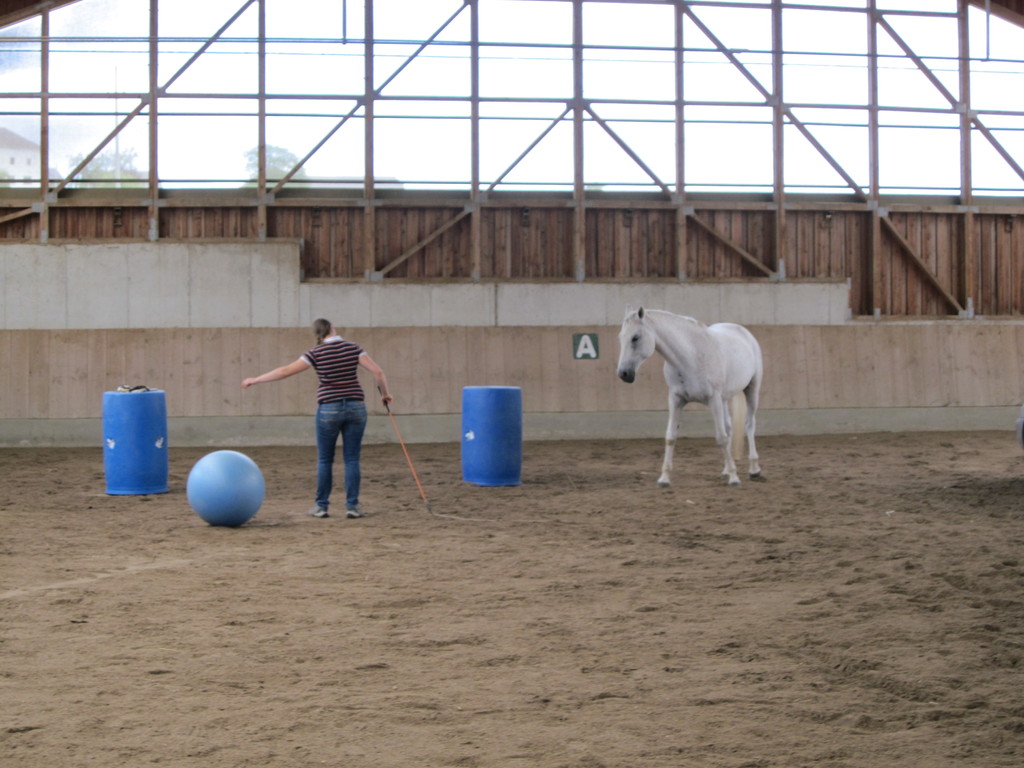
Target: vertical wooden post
[680,137]
[967,251]
[153,213]
[778,141]
[474,139]
[261,183]
[579,229]
[44,130]
[369,189]
[874,254]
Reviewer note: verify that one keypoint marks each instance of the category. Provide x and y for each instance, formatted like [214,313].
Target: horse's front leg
[675,405]
[723,432]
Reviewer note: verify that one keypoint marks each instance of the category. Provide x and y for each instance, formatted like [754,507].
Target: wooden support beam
[967,251]
[680,139]
[475,234]
[735,248]
[17,215]
[579,226]
[874,273]
[921,265]
[425,241]
[778,142]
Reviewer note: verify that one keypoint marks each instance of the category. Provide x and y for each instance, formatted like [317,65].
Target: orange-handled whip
[406,452]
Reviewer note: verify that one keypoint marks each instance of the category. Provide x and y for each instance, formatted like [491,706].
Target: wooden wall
[62,374]
[535,240]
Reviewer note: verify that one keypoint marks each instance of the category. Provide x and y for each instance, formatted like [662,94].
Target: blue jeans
[348,419]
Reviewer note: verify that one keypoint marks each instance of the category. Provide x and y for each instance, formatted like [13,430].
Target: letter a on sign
[584,346]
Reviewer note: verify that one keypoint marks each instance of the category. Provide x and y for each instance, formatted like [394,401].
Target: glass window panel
[437,70]
[605,162]
[222,68]
[914,119]
[12,108]
[546,166]
[212,106]
[991,173]
[632,74]
[736,154]
[19,58]
[712,77]
[417,20]
[109,18]
[997,86]
[992,37]
[816,79]
[20,158]
[927,36]
[314,68]
[74,137]
[414,108]
[997,48]
[919,159]
[859,4]
[901,84]
[333,108]
[808,168]
[939,6]
[526,21]
[526,72]
[205,151]
[740,29]
[200,19]
[99,67]
[314,19]
[628,24]
[341,158]
[824,32]
[421,151]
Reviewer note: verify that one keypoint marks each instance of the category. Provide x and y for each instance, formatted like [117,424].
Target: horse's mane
[674,316]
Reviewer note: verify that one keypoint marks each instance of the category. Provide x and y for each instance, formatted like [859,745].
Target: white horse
[708,364]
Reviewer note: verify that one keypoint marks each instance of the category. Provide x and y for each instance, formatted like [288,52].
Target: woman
[340,409]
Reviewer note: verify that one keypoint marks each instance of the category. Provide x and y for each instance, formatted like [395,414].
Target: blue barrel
[135,442]
[492,435]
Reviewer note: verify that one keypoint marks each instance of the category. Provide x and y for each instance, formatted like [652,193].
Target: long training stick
[407,457]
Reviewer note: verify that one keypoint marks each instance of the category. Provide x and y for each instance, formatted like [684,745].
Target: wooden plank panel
[551,395]
[861,365]
[14,373]
[35,385]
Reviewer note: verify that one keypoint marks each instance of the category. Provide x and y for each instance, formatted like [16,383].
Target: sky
[316,62]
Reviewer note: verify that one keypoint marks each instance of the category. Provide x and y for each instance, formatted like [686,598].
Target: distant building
[19,157]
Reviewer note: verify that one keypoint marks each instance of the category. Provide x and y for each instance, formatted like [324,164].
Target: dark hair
[322,329]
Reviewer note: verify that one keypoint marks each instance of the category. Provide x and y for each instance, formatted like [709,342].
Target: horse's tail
[738,412]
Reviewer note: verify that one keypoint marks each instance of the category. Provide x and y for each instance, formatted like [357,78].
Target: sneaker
[318,512]
[352,514]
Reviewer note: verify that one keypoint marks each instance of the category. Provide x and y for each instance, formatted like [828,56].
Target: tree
[108,169]
[279,162]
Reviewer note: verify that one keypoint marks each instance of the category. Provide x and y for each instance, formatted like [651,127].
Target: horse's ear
[640,313]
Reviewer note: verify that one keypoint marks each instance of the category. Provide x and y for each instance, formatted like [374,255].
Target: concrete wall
[256,285]
[125,310]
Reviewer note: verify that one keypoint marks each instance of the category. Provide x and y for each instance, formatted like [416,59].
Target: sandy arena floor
[862,606]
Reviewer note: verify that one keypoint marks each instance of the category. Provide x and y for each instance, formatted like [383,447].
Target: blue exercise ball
[225,488]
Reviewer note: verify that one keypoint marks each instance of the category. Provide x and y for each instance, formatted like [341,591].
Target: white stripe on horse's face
[636,344]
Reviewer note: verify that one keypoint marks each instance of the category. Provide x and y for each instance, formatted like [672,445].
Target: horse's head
[636,343]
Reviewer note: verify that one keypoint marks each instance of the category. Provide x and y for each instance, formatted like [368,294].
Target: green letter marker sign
[584,346]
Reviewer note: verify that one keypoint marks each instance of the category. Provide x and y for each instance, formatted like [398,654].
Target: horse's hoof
[756,475]
[734,482]
[664,483]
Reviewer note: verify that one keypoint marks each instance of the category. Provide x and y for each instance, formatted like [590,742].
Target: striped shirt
[336,362]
